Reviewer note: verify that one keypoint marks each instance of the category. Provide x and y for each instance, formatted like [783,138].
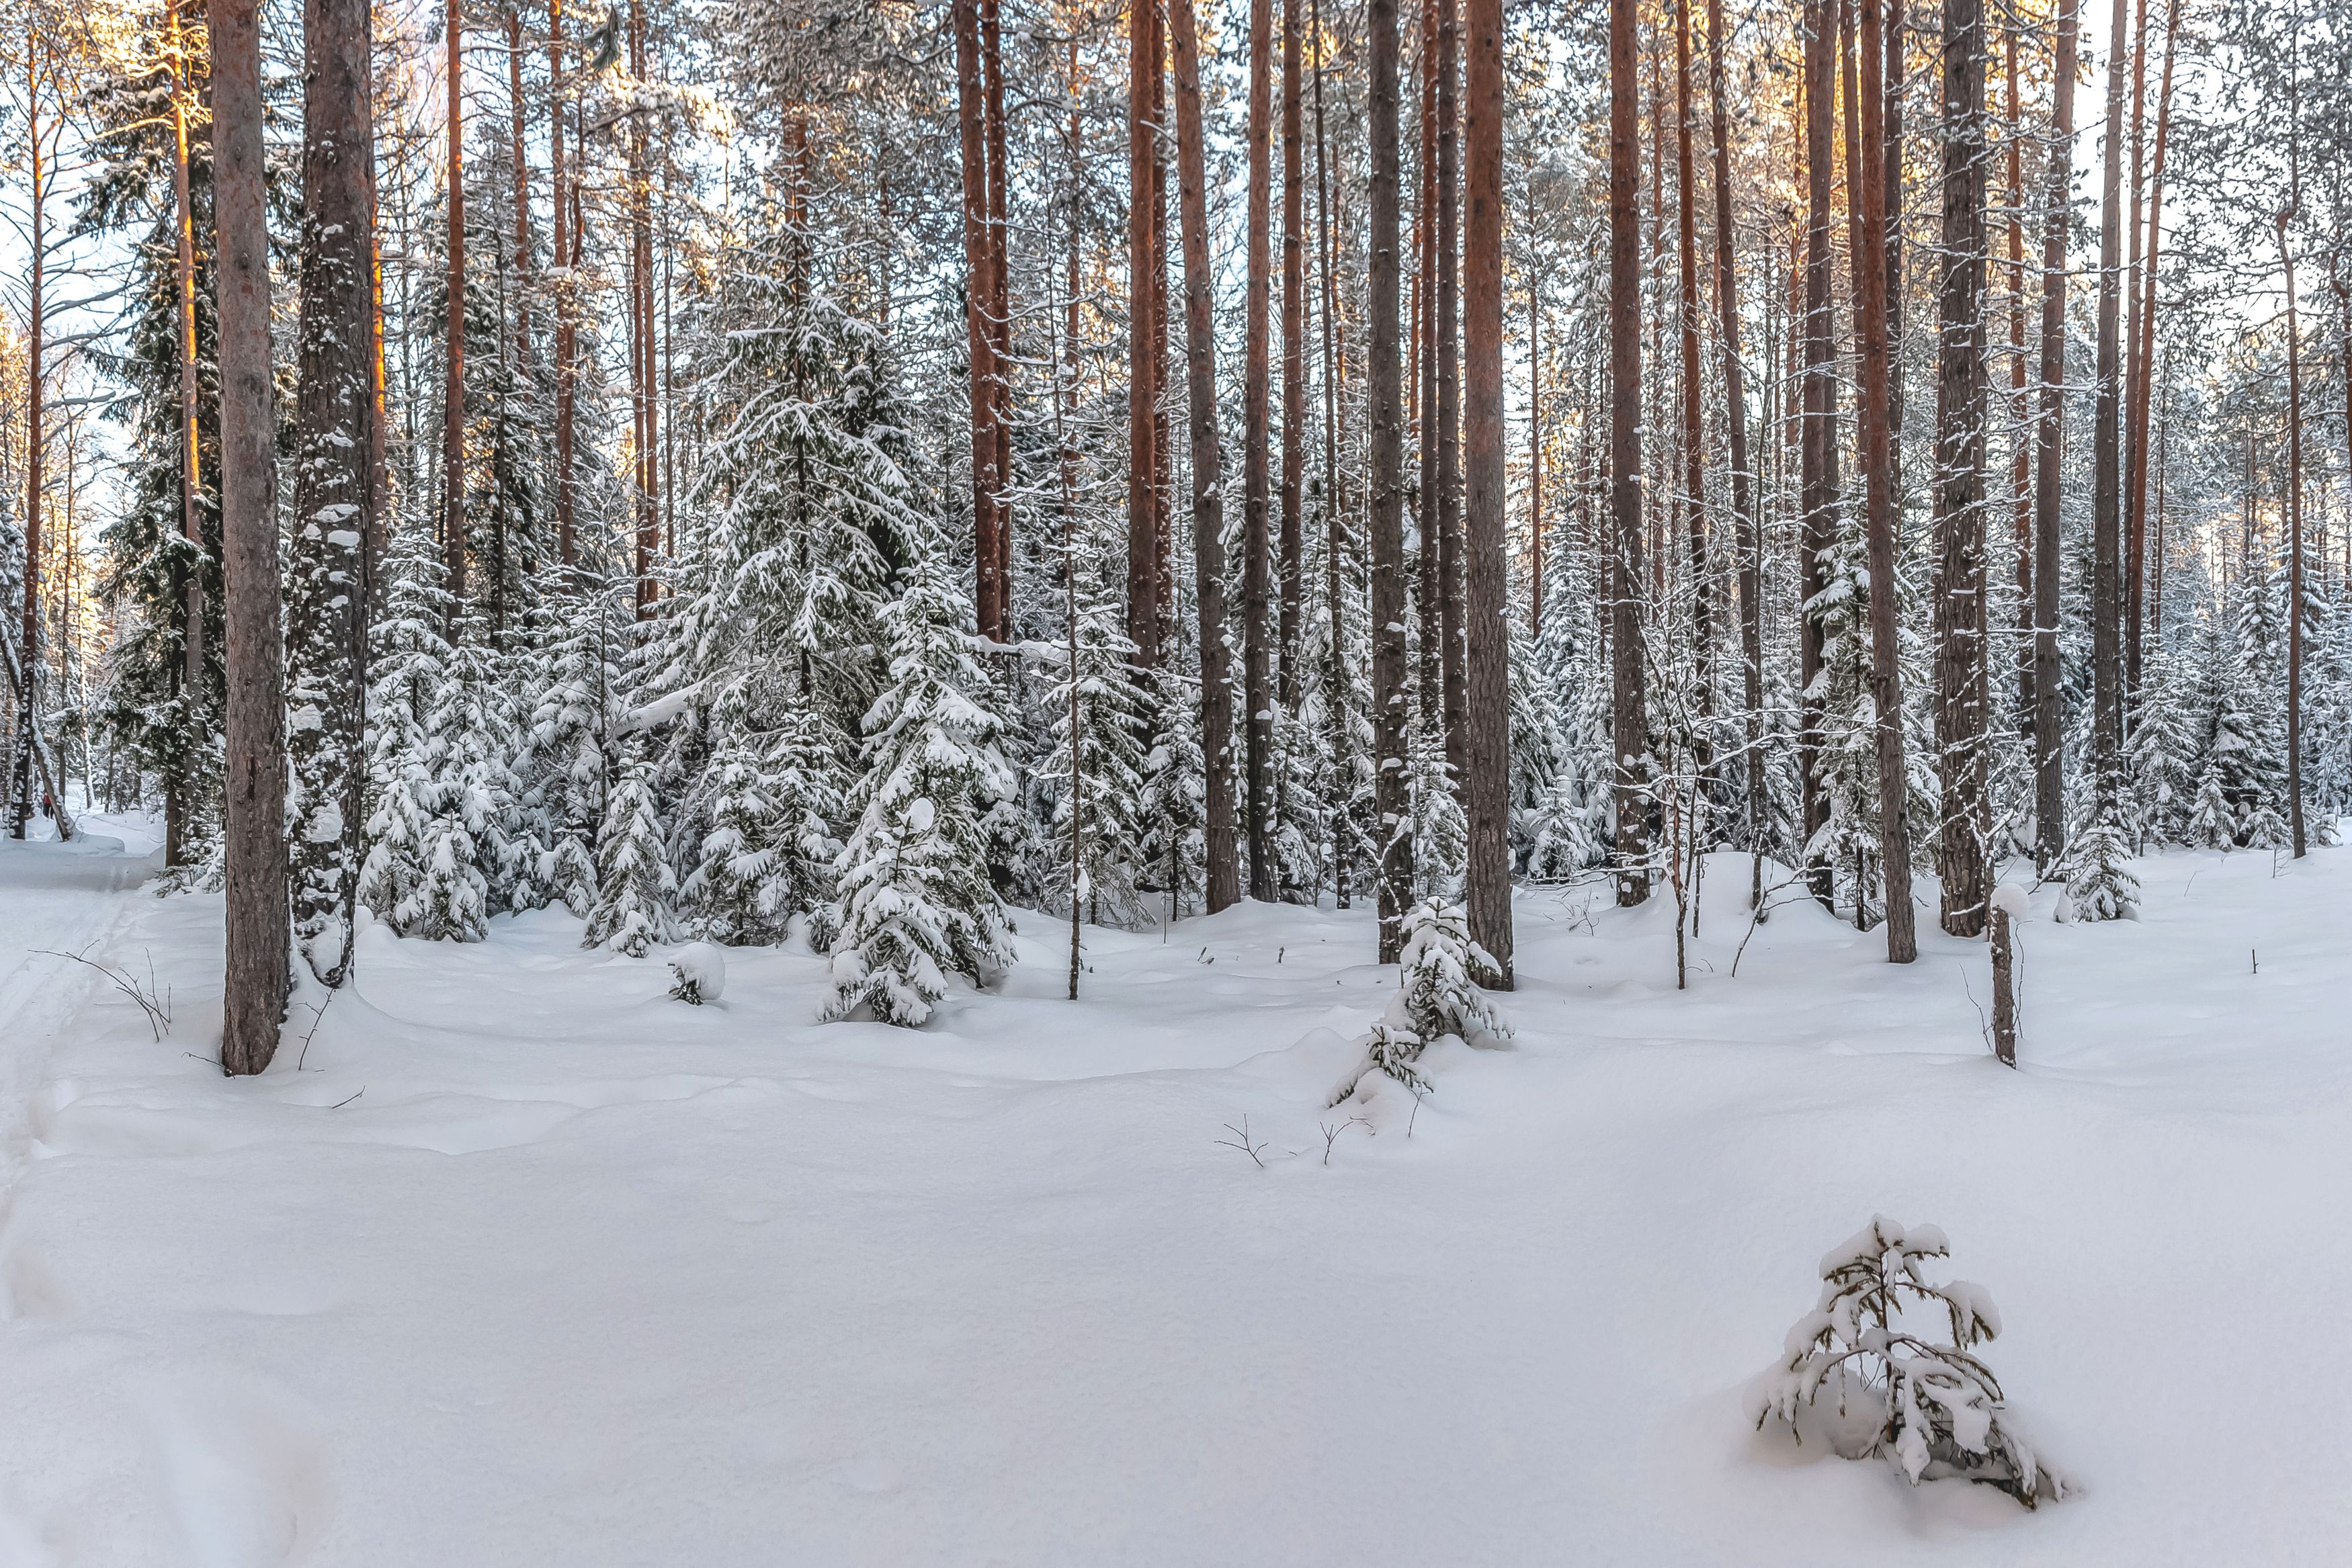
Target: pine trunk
[334,493]
[1385,523]
[183,225]
[1694,475]
[1743,505]
[980,333]
[1448,363]
[1207,466]
[2048,699]
[1876,418]
[1629,719]
[453,331]
[1959,479]
[1817,459]
[567,543]
[2136,439]
[1485,782]
[2107,446]
[1257,566]
[254,849]
[1142,362]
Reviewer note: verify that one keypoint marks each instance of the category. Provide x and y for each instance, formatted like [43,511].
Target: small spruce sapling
[1929,1409]
[699,971]
[1437,994]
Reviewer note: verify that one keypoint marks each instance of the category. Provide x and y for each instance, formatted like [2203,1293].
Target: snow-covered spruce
[916,901]
[1437,997]
[2100,885]
[634,887]
[1929,1407]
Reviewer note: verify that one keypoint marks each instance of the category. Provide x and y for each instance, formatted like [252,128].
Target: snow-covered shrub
[1927,1406]
[700,970]
[1437,996]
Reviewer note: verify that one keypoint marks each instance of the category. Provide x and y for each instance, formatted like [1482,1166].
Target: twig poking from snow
[158,1009]
[341,1103]
[1331,1133]
[1241,1140]
[317,1017]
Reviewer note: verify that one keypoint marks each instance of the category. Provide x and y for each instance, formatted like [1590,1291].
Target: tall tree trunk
[2106,446]
[453,329]
[1694,475]
[1960,476]
[1163,442]
[1385,523]
[2143,340]
[1630,740]
[1142,360]
[1293,351]
[566,329]
[1336,679]
[2048,699]
[2020,462]
[1486,783]
[1448,350]
[1000,307]
[1876,418]
[2130,549]
[2294,548]
[1208,466]
[1258,566]
[1892,143]
[26,739]
[980,333]
[183,229]
[254,849]
[1818,471]
[334,491]
[1743,506]
[1429,679]
[641,278]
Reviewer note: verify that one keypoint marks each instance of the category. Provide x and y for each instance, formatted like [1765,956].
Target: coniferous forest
[953,504]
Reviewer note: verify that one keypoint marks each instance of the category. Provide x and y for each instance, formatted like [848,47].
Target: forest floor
[511,1259]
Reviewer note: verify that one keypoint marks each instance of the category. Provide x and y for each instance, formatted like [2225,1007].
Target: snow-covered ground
[511,1259]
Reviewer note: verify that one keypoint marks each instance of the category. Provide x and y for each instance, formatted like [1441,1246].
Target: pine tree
[916,899]
[1175,801]
[769,850]
[571,676]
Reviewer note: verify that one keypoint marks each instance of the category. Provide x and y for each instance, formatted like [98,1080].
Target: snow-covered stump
[1931,1409]
[2008,907]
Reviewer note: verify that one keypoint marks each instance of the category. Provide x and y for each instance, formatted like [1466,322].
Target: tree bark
[2293,528]
[2048,700]
[1143,360]
[1694,476]
[1258,566]
[1879,496]
[566,328]
[1429,674]
[980,333]
[1818,457]
[1208,466]
[1748,539]
[1448,350]
[1629,726]
[22,803]
[453,330]
[184,226]
[1959,473]
[254,849]
[1485,782]
[2106,446]
[1000,307]
[2143,336]
[641,278]
[334,493]
[1294,353]
[2129,612]
[2020,462]
[1385,523]
[1337,684]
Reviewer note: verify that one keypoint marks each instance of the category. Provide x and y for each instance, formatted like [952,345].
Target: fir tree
[634,887]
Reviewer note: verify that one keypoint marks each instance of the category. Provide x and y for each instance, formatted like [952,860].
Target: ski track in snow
[528,1263]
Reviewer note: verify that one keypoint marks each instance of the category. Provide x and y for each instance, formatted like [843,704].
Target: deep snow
[515,1261]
